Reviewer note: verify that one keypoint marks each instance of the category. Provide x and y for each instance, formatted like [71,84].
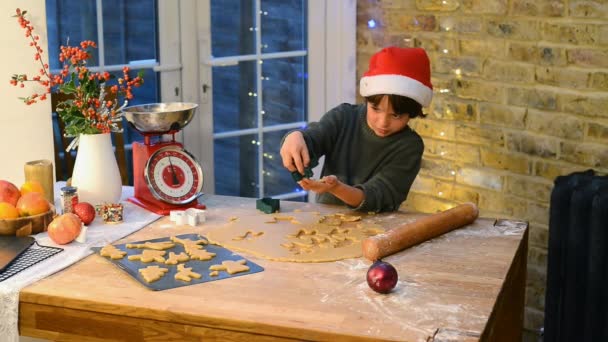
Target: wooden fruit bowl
[24,226]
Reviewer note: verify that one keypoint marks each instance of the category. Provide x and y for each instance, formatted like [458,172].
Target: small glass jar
[69,198]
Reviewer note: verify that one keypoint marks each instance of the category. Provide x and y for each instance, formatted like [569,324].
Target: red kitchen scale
[166,177]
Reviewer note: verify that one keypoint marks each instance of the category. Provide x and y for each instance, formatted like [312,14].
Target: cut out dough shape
[189,244]
[148,255]
[185,273]
[248,236]
[298,236]
[153,273]
[194,249]
[231,266]
[112,252]
[214,273]
[175,259]
[200,254]
[159,246]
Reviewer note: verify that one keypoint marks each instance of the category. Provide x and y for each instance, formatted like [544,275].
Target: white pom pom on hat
[399,71]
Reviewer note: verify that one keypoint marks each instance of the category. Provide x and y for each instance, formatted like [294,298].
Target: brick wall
[520,98]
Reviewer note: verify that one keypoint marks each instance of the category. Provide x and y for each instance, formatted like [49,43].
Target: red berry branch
[86,111]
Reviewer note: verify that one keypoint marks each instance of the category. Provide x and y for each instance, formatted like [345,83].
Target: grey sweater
[384,168]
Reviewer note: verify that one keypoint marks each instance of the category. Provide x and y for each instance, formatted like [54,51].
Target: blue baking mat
[168,280]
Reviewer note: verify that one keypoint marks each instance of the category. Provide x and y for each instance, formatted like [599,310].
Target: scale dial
[173,175]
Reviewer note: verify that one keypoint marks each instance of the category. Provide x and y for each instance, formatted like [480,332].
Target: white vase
[96,173]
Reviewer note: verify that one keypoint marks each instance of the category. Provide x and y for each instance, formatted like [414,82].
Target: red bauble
[382,277]
[85,211]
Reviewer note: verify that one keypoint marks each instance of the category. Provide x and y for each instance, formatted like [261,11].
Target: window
[258,85]
[125,33]
[267,67]
[299,63]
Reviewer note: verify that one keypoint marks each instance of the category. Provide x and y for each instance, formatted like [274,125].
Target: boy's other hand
[320,186]
[295,153]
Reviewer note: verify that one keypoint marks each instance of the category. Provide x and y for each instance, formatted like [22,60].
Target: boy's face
[383,120]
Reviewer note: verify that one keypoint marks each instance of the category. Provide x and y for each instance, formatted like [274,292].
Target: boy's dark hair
[401,104]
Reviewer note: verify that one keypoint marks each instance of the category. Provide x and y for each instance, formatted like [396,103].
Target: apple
[64,228]
[382,277]
[32,203]
[9,192]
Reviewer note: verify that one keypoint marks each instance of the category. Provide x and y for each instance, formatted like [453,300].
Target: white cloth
[98,235]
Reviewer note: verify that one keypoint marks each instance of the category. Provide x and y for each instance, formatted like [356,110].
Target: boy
[371,154]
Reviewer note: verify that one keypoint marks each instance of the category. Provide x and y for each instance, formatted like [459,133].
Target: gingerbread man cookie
[175,259]
[159,246]
[153,273]
[149,255]
[231,266]
[112,252]
[185,273]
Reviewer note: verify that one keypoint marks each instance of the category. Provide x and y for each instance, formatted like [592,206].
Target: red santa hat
[399,71]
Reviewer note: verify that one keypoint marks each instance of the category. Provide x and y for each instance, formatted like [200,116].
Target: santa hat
[399,71]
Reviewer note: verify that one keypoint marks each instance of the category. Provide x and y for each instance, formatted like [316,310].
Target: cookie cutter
[191,216]
[268,205]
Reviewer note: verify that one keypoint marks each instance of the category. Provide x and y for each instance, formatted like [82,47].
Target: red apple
[9,192]
[382,277]
[65,228]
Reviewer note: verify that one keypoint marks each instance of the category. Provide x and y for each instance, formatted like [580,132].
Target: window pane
[129,30]
[284,90]
[70,20]
[277,179]
[236,170]
[283,25]
[234,97]
[232,23]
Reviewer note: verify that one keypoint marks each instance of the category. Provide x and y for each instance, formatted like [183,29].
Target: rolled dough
[297,236]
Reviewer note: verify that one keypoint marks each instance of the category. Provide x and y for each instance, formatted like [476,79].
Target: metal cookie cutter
[192,216]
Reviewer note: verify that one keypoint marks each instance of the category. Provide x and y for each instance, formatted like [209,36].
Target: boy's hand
[295,153]
[325,184]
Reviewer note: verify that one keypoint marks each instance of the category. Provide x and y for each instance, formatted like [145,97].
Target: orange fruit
[31,186]
[8,211]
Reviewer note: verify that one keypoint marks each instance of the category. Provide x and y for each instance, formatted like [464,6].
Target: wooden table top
[448,284]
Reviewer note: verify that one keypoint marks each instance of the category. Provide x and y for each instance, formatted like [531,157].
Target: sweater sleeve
[321,136]
[389,187]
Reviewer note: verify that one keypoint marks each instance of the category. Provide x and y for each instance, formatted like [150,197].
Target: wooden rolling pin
[425,228]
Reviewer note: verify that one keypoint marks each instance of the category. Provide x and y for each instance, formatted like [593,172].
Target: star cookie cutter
[192,216]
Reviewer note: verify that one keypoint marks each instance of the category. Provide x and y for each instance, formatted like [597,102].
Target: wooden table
[466,285]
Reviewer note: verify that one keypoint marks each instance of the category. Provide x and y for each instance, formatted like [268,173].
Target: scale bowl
[160,118]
